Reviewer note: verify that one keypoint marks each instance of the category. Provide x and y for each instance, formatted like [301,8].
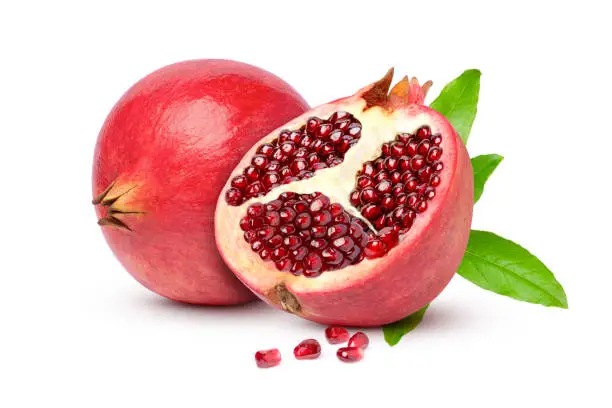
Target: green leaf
[458,102]
[483,166]
[506,268]
[395,331]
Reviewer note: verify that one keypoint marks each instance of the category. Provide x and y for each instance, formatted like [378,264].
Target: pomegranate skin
[384,289]
[161,159]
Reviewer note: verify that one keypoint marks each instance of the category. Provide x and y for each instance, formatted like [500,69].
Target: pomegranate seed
[284,264]
[384,187]
[251,173]
[312,264]
[233,196]
[240,182]
[318,243]
[423,147]
[397,149]
[359,340]
[322,218]
[256,210]
[313,124]
[287,215]
[368,169]
[344,244]
[417,163]
[350,354]
[389,236]
[260,161]
[411,148]
[331,256]
[434,154]
[266,149]
[375,249]
[437,167]
[435,180]
[424,132]
[299,253]
[268,358]
[436,140]
[337,231]
[303,220]
[336,335]
[339,115]
[274,242]
[307,350]
[370,211]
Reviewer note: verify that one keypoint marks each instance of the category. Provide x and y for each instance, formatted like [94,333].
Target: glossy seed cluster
[391,190]
[306,234]
[296,155]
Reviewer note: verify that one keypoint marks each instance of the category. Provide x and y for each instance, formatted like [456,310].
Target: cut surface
[370,240]
[307,234]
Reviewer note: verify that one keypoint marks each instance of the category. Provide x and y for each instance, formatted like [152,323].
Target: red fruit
[161,159]
[350,354]
[268,358]
[336,335]
[360,340]
[406,181]
[307,350]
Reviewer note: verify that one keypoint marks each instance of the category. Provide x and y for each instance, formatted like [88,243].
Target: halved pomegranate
[356,213]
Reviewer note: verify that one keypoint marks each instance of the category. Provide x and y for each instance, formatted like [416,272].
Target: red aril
[336,335]
[360,340]
[350,354]
[371,227]
[161,160]
[307,350]
[268,358]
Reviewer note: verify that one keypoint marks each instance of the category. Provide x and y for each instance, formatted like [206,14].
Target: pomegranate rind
[398,284]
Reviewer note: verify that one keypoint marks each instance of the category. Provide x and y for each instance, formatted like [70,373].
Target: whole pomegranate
[355,213]
[162,157]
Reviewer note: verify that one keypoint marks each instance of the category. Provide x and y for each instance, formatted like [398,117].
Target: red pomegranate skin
[166,150]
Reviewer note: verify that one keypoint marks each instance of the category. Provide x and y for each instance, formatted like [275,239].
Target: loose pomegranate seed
[336,335]
[359,340]
[268,358]
[350,354]
[307,350]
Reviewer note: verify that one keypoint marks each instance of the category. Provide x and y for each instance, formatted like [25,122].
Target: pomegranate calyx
[409,91]
[286,300]
[405,92]
[377,94]
[110,198]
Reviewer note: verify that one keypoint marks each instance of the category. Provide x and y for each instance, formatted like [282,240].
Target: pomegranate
[356,213]
[267,358]
[161,159]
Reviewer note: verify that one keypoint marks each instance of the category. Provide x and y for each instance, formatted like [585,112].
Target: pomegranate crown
[405,92]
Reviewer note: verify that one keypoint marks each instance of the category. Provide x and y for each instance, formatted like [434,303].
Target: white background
[79,332]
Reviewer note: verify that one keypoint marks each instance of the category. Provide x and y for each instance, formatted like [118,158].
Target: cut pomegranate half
[366,237]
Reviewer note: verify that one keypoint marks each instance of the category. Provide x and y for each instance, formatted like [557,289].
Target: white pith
[378,126]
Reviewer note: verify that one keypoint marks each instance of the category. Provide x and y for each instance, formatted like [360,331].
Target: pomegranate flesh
[361,208]
[161,159]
